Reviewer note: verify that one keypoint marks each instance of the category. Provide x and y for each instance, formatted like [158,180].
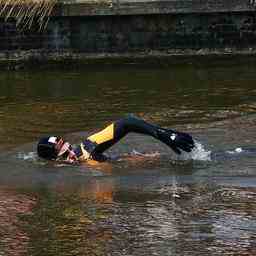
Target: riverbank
[80,32]
[34,59]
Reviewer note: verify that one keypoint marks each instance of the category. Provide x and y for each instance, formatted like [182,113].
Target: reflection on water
[33,104]
[14,240]
[147,201]
[196,222]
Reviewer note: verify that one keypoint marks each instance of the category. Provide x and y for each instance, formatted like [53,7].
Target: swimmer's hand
[177,141]
[70,159]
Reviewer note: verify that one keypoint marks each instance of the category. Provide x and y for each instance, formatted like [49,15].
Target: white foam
[235,151]
[238,150]
[198,153]
[27,156]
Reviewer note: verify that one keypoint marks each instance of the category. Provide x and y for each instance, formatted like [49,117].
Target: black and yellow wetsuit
[94,146]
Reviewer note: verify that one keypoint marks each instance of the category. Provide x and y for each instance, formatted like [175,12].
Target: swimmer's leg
[117,130]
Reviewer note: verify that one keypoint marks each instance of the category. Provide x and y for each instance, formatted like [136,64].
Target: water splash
[198,153]
[28,156]
[235,151]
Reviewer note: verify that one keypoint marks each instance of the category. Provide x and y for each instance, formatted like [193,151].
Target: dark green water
[152,202]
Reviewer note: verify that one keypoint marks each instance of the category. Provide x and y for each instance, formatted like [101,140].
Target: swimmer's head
[55,148]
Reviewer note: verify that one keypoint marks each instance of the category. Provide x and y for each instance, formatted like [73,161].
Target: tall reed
[25,12]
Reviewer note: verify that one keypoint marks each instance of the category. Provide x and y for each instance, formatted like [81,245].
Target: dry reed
[25,12]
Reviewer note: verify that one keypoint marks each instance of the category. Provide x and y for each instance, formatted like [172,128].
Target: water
[148,201]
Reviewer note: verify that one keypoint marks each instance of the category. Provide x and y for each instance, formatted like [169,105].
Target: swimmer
[93,147]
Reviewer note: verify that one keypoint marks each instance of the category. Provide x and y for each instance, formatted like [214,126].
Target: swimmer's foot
[177,141]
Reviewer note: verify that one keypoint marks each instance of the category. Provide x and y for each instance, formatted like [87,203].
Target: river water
[148,201]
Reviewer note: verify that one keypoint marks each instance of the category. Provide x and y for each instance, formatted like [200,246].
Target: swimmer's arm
[107,137]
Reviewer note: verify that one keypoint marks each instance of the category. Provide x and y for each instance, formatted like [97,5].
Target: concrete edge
[34,59]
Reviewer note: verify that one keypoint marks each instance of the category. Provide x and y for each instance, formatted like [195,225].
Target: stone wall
[132,7]
[127,27]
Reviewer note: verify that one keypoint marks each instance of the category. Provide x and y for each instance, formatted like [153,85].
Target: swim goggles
[64,151]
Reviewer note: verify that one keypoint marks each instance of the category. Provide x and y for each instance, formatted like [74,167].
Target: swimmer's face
[55,148]
[65,151]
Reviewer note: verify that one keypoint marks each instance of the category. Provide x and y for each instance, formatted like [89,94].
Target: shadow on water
[147,201]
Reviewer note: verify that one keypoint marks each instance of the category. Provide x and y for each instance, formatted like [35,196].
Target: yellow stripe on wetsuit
[103,136]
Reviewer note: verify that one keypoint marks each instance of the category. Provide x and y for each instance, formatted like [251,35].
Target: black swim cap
[46,148]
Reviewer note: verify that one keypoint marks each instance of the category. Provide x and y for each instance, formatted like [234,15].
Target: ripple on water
[14,240]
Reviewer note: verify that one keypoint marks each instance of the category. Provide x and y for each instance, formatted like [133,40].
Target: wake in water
[29,156]
[199,153]
[234,153]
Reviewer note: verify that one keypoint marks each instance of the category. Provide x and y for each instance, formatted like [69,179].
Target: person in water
[93,147]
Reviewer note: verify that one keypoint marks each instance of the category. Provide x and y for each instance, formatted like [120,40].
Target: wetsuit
[94,146]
